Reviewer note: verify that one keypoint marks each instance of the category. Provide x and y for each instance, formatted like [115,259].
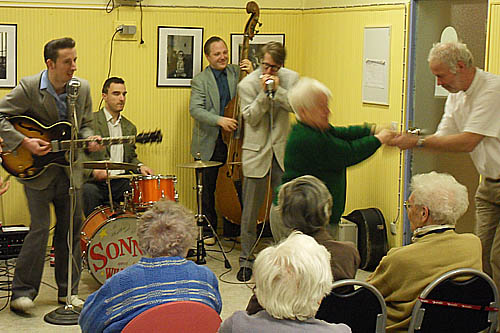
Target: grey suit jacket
[204,108]
[27,99]
[260,139]
[101,128]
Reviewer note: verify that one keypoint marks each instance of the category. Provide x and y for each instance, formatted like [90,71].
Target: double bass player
[211,91]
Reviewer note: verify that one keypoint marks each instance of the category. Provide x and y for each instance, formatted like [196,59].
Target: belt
[491,180]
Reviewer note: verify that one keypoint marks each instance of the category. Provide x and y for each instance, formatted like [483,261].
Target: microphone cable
[140,6]
[110,57]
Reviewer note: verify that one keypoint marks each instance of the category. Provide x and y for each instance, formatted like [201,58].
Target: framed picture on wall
[180,55]
[254,53]
[8,55]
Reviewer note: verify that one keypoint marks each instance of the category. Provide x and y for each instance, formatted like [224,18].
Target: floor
[235,295]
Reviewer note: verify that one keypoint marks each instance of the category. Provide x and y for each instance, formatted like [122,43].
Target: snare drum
[109,242]
[149,189]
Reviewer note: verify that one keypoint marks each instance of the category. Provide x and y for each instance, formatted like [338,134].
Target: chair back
[462,300]
[362,309]
[182,316]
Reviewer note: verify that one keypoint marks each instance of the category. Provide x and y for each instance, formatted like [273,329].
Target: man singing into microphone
[44,97]
[265,109]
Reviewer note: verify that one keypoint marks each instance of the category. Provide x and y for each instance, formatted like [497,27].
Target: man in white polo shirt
[471,123]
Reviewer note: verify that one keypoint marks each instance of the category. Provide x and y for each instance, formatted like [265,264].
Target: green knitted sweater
[326,155]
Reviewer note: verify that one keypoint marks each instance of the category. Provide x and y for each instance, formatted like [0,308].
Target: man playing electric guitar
[43,97]
[109,122]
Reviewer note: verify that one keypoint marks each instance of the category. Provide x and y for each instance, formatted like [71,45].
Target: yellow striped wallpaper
[325,44]
[492,63]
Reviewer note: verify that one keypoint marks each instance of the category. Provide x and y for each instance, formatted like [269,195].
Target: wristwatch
[420,142]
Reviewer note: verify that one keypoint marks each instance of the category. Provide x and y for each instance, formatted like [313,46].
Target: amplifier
[11,240]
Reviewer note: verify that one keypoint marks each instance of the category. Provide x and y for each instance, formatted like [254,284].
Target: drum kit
[109,236]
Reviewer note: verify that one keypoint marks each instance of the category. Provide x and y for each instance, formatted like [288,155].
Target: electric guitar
[23,164]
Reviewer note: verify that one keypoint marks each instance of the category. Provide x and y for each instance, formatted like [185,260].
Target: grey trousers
[254,193]
[488,226]
[30,263]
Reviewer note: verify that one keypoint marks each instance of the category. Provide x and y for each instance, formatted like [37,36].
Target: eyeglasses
[266,66]
[407,204]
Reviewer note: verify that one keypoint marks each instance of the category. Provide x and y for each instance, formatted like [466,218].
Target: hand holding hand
[385,136]
[404,141]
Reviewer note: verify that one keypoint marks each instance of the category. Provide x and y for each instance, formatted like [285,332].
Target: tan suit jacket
[264,133]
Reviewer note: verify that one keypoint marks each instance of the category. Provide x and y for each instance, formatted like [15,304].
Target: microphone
[270,87]
[72,88]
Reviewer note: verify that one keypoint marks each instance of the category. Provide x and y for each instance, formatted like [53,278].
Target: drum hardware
[200,218]
[109,165]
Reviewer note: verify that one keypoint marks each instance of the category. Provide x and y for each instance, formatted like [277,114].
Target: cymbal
[199,164]
[109,165]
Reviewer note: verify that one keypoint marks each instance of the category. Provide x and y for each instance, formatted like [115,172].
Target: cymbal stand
[200,218]
[110,195]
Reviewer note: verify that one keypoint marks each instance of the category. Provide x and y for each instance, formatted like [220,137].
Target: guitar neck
[82,143]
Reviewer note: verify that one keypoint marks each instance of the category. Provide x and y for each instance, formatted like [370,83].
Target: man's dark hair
[276,51]
[51,49]
[108,82]
[210,41]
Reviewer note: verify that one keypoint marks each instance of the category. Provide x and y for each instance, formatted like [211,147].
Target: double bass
[230,177]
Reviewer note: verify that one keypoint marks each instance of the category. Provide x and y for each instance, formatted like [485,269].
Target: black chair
[362,308]
[463,300]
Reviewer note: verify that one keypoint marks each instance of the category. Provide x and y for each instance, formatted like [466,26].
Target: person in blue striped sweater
[163,275]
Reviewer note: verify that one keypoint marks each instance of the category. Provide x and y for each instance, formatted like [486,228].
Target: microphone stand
[69,314]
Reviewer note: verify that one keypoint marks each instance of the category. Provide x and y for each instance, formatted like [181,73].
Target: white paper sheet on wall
[376,56]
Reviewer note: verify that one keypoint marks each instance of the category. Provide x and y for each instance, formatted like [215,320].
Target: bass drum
[109,242]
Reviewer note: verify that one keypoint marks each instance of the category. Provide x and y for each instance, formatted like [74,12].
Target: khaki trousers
[488,226]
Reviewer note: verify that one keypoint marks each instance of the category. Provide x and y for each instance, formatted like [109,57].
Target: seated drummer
[109,122]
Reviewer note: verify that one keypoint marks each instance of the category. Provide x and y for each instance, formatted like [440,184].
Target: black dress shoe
[244,274]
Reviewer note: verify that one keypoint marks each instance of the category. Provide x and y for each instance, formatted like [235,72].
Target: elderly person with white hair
[291,279]
[315,147]
[470,125]
[305,205]
[436,203]
[165,233]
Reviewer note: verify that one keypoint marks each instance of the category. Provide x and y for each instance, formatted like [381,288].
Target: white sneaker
[22,304]
[75,301]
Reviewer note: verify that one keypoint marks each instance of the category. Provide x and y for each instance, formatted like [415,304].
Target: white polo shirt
[477,110]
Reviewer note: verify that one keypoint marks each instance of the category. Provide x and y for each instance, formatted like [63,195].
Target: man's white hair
[450,53]
[304,95]
[446,198]
[292,278]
